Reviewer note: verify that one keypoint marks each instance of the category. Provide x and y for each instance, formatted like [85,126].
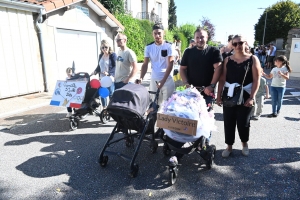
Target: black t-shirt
[236,71]
[200,64]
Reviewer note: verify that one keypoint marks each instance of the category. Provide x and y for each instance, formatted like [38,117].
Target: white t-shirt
[278,80]
[273,52]
[123,67]
[158,55]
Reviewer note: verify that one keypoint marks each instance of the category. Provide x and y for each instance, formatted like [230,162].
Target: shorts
[271,58]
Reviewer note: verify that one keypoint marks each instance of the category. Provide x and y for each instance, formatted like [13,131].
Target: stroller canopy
[131,97]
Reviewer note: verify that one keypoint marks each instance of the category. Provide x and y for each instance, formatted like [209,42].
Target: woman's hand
[249,102]
[105,73]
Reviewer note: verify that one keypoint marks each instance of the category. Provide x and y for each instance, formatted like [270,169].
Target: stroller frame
[129,137]
[91,104]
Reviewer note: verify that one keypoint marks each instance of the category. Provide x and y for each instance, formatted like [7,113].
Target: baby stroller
[89,105]
[190,145]
[128,107]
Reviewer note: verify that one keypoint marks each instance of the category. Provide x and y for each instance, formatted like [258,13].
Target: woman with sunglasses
[240,68]
[106,67]
[279,75]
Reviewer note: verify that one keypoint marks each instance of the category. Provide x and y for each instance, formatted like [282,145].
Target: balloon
[106,81]
[103,92]
[79,90]
[95,83]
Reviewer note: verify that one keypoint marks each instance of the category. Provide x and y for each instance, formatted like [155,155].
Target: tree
[281,17]
[207,25]
[172,21]
[113,6]
[188,30]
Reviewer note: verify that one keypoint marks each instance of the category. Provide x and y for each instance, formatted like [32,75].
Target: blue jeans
[111,90]
[277,94]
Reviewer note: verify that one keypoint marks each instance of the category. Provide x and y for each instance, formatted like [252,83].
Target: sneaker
[272,115]
[226,153]
[256,117]
[69,114]
[245,151]
[173,161]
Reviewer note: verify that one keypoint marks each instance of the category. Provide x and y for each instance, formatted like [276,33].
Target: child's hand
[267,96]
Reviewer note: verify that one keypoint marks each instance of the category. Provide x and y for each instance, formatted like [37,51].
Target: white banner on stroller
[68,93]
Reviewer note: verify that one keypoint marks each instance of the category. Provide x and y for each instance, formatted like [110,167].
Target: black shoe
[272,115]
[278,112]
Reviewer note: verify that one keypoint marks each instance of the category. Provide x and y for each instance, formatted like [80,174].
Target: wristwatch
[213,86]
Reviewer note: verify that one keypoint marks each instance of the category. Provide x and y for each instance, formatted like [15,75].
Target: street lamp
[263,41]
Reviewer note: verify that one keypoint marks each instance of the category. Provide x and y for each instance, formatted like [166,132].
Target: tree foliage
[138,32]
[281,17]
[207,25]
[172,21]
[188,30]
[113,6]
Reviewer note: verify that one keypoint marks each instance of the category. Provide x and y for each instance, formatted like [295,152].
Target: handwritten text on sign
[68,93]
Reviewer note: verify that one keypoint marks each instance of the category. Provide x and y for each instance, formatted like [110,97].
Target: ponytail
[287,64]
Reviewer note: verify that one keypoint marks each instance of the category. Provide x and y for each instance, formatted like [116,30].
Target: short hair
[158,26]
[122,35]
[230,37]
[199,29]
[69,70]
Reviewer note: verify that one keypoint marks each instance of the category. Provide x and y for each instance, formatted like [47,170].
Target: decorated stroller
[187,104]
[132,109]
[90,104]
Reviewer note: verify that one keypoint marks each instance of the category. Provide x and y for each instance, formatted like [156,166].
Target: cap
[192,40]
[158,26]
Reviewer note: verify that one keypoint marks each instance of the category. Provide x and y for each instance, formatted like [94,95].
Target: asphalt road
[43,159]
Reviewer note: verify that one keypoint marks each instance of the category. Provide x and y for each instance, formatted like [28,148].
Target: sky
[228,16]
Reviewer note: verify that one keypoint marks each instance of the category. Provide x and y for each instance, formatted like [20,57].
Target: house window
[127,5]
[158,9]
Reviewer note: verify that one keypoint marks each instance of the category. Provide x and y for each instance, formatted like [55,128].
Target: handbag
[237,98]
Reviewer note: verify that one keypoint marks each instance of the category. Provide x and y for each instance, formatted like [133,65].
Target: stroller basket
[127,107]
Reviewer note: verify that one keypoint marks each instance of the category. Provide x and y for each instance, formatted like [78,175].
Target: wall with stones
[293,33]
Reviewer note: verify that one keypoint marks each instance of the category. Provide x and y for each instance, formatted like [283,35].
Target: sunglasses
[104,47]
[238,43]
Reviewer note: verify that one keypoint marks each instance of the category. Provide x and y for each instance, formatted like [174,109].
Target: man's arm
[271,51]
[168,71]
[218,70]
[182,72]
[133,71]
[144,69]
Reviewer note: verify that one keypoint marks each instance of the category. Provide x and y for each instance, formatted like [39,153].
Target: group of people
[201,65]
[266,55]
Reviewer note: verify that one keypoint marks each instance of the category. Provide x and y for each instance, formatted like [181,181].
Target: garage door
[76,47]
[19,59]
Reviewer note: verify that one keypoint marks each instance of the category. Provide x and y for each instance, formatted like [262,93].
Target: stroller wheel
[212,152]
[104,116]
[166,150]
[74,123]
[103,161]
[134,170]
[153,146]
[173,175]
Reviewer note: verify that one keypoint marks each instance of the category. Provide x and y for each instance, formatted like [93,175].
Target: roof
[52,5]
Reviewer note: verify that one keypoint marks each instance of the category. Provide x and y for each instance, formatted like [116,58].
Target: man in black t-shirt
[201,65]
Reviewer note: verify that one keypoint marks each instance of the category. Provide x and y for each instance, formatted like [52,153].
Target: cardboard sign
[69,93]
[178,124]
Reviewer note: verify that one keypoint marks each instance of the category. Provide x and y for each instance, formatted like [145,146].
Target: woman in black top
[233,72]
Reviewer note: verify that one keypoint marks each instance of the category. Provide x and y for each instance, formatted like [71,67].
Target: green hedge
[180,36]
[138,32]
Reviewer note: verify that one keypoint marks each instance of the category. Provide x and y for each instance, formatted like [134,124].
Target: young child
[69,75]
[259,99]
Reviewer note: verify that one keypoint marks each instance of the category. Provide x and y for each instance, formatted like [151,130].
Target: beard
[201,45]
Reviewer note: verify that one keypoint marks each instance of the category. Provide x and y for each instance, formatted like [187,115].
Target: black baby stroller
[128,107]
[90,104]
[200,146]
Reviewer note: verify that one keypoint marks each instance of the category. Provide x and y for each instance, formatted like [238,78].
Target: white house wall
[136,7]
[73,20]
[295,57]
[20,66]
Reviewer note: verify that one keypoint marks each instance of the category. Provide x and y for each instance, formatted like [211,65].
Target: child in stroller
[89,105]
[191,105]
[132,109]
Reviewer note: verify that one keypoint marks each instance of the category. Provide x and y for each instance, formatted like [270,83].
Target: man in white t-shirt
[271,56]
[126,66]
[161,54]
